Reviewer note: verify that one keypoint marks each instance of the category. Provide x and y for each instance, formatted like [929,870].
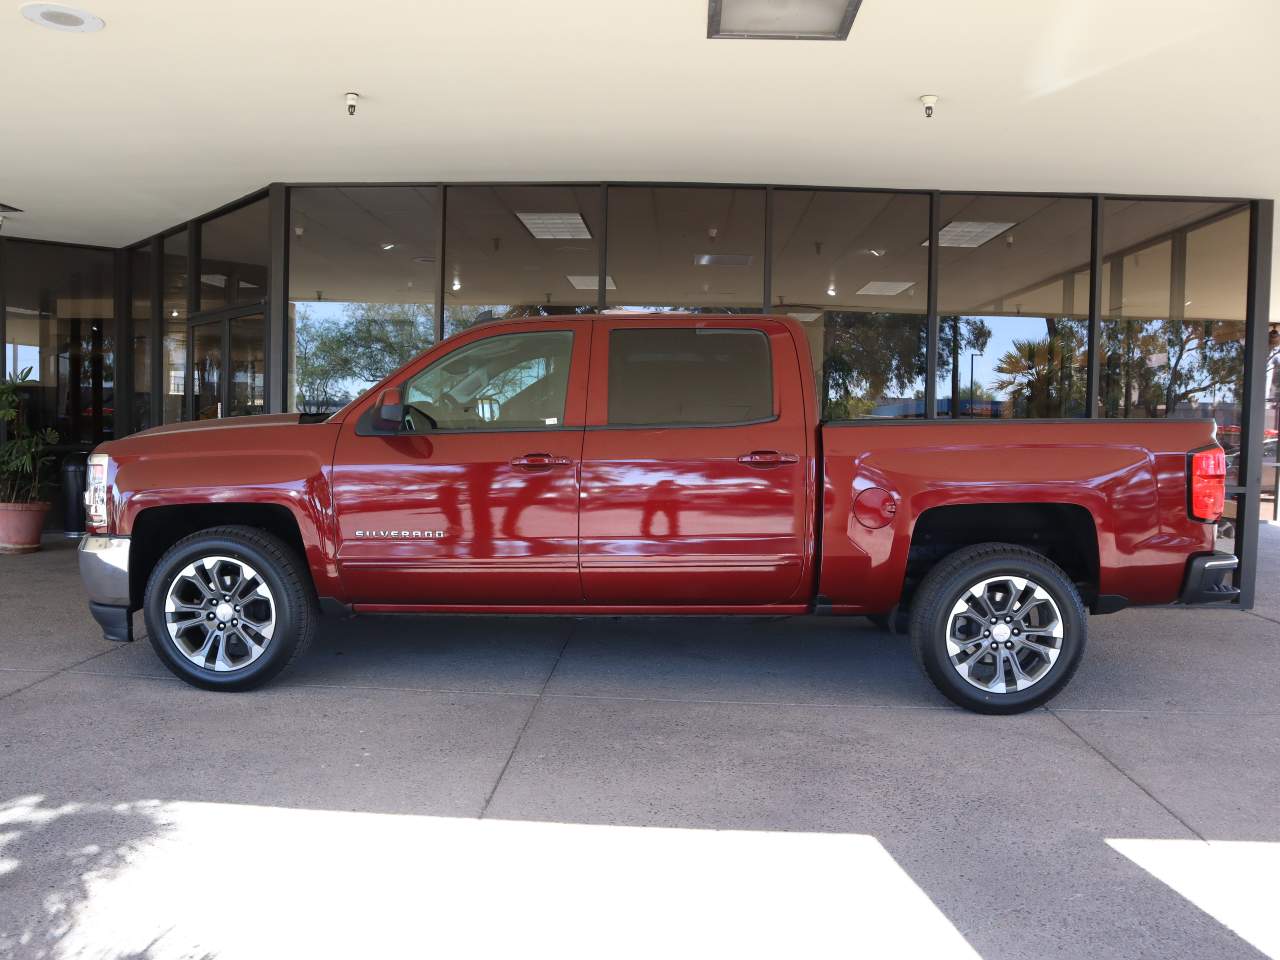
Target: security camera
[352,100]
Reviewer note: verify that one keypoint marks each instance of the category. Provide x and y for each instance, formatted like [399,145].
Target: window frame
[361,410]
[598,410]
[473,344]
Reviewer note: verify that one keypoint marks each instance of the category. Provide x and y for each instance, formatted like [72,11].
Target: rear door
[477,501]
[694,463]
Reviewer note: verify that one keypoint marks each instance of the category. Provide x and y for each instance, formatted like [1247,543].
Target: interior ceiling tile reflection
[530,247]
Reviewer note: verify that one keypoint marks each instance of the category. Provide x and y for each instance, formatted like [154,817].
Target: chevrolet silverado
[658,464]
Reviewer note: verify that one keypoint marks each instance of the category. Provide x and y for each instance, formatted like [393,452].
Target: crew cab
[654,464]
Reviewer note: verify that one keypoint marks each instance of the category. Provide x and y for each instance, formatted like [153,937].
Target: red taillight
[1208,484]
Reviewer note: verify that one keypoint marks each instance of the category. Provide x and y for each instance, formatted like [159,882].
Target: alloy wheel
[1004,634]
[220,613]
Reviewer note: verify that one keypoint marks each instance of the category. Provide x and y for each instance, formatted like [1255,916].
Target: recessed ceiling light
[885,288]
[555,226]
[589,282]
[722,260]
[831,290]
[424,259]
[970,233]
[57,17]
[457,284]
[387,245]
[876,252]
[780,19]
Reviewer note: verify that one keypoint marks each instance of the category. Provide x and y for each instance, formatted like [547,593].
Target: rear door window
[707,376]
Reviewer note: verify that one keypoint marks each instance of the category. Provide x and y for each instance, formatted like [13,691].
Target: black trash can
[74,470]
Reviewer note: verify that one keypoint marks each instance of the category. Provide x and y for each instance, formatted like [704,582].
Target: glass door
[248,363]
[207,370]
[228,365]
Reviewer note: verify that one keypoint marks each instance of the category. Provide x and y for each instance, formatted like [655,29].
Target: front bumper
[1207,581]
[104,570]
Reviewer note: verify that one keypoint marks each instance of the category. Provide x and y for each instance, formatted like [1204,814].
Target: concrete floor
[627,787]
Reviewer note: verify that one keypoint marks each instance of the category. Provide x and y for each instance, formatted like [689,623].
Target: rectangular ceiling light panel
[555,226]
[970,233]
[589,282]
[722,260]
[885,288]
[780,19]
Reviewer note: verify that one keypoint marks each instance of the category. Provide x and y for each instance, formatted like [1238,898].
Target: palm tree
[1040,376]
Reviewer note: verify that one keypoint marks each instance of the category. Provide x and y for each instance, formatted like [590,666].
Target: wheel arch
[158,528]
[1066,533]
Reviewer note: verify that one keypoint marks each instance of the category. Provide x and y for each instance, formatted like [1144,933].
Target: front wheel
[998,628]
[229,608]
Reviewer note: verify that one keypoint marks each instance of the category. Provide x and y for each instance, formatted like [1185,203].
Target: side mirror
[389,413]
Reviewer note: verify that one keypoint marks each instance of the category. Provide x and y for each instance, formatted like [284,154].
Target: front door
[694,467]
[228,365]
[475,499]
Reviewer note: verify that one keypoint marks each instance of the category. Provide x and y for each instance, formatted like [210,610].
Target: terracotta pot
[21,525]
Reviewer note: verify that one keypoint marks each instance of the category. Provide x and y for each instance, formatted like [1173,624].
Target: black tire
[950,580]
[279,567]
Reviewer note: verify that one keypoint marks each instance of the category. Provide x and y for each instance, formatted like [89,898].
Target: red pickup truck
[658,464]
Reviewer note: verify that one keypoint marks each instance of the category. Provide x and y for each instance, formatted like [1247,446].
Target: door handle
[540,461]
[767,458]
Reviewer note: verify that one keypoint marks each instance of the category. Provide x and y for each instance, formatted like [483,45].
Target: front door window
[516,381]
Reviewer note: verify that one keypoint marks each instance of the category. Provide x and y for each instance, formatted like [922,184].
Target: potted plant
[24,457]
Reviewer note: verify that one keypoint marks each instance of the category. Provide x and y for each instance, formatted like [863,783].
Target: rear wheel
[998,628]
[229,608]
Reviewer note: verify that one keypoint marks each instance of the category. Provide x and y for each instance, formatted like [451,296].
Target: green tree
[868,356]
[1046,378]
[1154,367]
[338,355]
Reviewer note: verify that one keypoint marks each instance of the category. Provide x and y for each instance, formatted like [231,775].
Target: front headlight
[95,493]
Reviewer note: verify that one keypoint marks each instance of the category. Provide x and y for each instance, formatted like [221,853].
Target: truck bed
[1126,478]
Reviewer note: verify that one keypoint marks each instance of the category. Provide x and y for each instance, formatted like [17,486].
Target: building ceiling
[173,109]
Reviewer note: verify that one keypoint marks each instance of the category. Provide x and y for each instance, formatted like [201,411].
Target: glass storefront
[141,293]
[1175,281]
[377,273]
[235,249]
[173,312]
[851,268]
[686,248]
[519,252]
[59,327]
[363,269]
[1013,306]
